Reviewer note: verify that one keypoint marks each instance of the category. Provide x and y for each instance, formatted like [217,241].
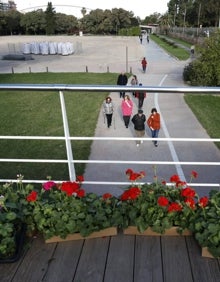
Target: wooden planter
[132,230]
[111,231]
[206,253]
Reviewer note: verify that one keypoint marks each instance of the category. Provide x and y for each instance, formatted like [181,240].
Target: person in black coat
[141,95]
[122,80]
[139,125]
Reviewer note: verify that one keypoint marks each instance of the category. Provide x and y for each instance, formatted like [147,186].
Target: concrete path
[177,121]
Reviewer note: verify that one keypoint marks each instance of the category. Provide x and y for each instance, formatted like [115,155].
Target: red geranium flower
[128,171]
[32,197]
[70,187]
[175,178]
[48,185]
[194,174]
[174,207]
[106,196]
[134,176]
[131,194]
[190,202]
[188,192]
[203,202]
[80,178]
[180,183]
[163,201]
[80,193]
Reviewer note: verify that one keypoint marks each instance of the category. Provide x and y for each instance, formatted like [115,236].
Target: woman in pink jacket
[126,107]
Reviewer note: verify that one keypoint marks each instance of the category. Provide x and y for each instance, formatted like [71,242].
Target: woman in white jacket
[108,109]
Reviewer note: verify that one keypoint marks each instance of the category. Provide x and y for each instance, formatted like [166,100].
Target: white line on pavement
[167,135]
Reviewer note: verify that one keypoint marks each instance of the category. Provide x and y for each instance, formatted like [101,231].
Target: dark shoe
[156,145]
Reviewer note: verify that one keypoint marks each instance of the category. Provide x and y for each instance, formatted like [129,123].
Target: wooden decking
[118,258]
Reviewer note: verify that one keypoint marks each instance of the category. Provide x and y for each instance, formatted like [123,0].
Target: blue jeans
[155,134]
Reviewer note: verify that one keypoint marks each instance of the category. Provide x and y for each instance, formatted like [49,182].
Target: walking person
[139,125]
[122,80]
[144,64]
[141,38]
[108,109]
[141,95]
[134,82]
[148,39]
[126,107]
[154,124]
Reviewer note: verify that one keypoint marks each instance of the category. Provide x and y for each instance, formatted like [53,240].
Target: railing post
[71,166]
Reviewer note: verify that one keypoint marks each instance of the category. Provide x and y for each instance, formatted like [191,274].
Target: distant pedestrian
[148,38]
[122,80]
[126,107]
[108,109]
[141,38]
[134,82]
[144,64]
[140,95]
[154,124]
[139,125]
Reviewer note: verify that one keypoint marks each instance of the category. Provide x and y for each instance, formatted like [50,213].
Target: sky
[140,8]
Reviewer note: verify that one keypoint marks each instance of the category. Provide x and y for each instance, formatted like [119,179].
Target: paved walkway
[177,121]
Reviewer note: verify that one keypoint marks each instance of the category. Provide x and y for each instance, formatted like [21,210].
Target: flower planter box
[132,230]
[111,231]
[206,253]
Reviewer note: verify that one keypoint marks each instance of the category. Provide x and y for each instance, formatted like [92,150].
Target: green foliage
[206,225]
[50,19]
[14,212]
[144,211]
[58,214]
[205,70]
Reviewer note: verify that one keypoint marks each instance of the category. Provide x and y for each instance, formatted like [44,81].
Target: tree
[83,11]
[205,71]
[50,19]
[34,22]
[12,20]
[66,24]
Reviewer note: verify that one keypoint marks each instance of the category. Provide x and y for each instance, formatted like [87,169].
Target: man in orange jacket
[154,124]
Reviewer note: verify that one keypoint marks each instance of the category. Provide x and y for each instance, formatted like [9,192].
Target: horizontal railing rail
[67,138]
[108,88]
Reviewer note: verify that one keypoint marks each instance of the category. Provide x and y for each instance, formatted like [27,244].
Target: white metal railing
[67,138]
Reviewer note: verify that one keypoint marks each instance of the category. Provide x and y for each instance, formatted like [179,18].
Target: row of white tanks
[48,48]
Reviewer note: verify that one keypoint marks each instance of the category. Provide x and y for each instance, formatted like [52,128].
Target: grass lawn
[207,110]
[171,48]
[39,114]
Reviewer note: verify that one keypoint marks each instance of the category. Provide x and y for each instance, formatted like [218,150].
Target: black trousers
[126,120]
[109,119]
[140,102]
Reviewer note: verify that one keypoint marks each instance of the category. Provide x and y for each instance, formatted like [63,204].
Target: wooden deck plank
[120,259]
[35,263]
[148,262]
[203,269]
[176,264]
[91,267]
[8,270]
[64,261]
